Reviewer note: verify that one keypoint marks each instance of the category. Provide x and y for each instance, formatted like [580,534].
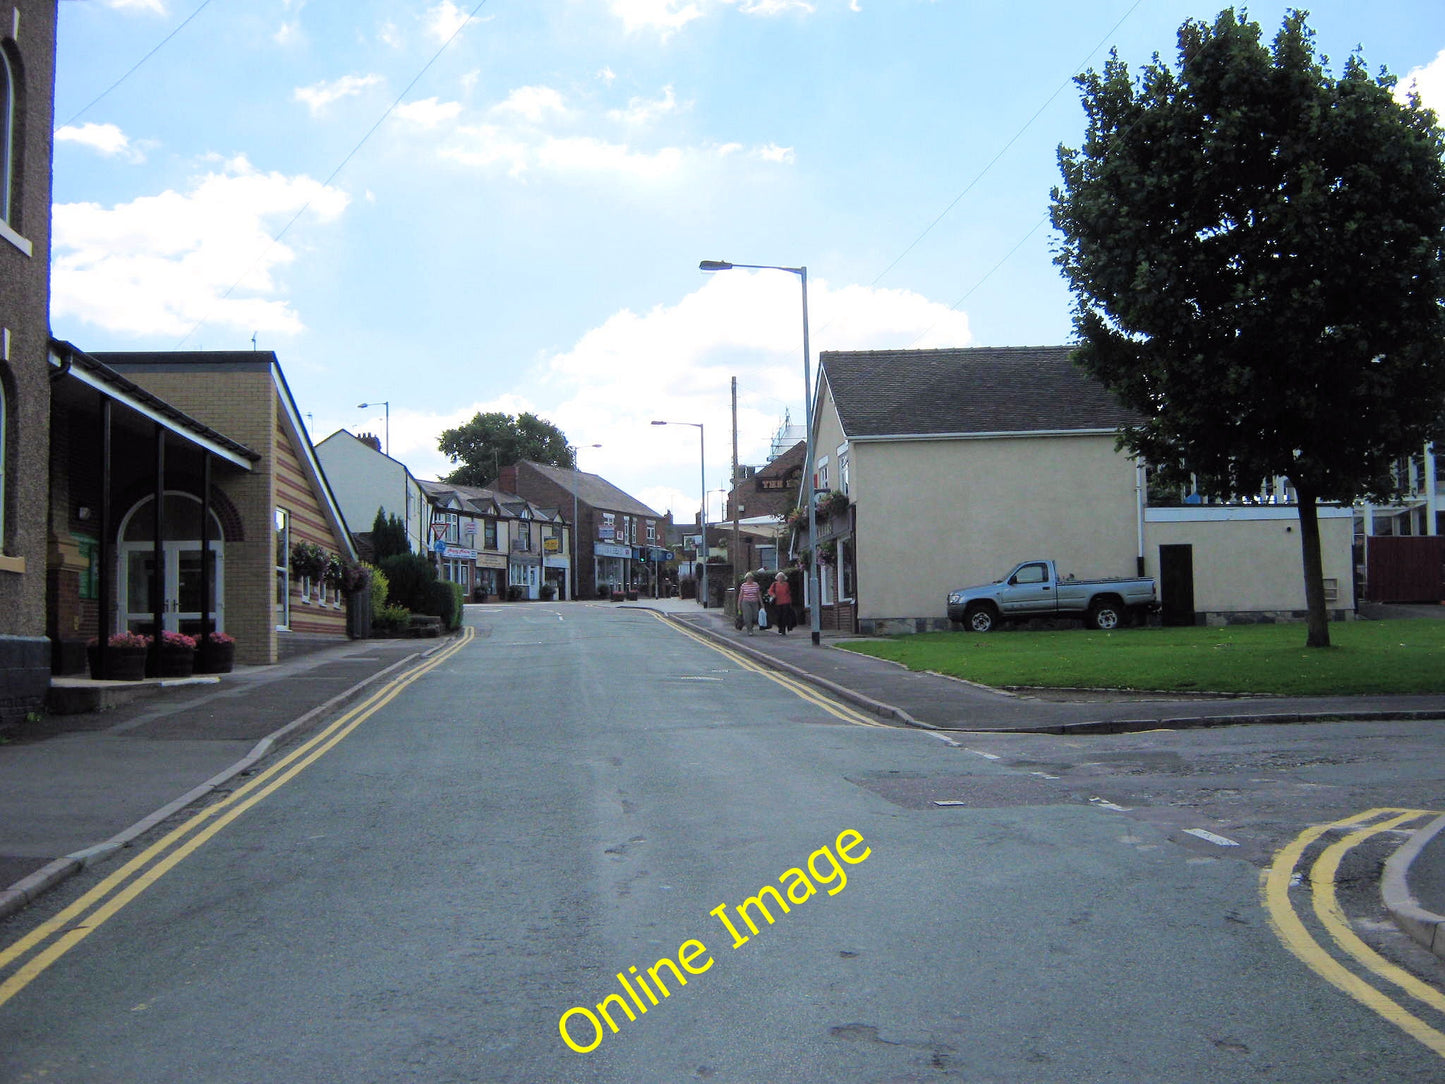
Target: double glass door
[180,586]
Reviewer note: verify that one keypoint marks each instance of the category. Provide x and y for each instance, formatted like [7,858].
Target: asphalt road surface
[488,850]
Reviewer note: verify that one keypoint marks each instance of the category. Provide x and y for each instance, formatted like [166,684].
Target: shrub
[444,601]
[390,620]
[515,592]
[409,579]
[549,591]
[379,587]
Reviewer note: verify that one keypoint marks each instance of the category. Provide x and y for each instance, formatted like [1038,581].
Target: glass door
[181,594]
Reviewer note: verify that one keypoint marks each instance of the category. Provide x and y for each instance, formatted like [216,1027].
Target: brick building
[27,85]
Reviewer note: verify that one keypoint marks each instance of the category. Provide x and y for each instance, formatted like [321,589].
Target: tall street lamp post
[576,544]
[702,515]
[815,617]
[387,405]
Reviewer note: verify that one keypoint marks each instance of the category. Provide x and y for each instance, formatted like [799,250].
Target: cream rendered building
[960,463]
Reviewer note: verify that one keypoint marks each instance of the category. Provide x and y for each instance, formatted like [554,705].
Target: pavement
[76,788]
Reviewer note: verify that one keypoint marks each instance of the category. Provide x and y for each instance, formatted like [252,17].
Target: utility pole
[733,492]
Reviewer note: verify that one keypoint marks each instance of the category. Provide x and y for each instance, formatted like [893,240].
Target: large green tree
[492,441]
[1255,251]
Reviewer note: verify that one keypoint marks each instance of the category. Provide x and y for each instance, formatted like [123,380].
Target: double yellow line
[52,939]
[792,684]
[1375,972]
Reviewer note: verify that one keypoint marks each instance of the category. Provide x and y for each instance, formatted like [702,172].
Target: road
[572,792]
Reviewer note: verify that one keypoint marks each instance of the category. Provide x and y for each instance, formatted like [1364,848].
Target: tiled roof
[1014,389]
[595,490]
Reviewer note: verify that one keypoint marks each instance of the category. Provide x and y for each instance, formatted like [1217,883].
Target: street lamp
[576,546]
[813,595]
[387,405]
[702,515]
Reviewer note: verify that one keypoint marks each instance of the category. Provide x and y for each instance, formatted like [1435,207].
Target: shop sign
[460,553]
[608,549]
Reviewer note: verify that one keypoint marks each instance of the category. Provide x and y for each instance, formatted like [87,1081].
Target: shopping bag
[762,618]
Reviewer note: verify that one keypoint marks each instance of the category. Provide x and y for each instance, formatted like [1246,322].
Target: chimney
[371,440]
[507,479]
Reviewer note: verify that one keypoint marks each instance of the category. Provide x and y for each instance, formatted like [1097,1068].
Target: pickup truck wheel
[979,618]
[1105,616]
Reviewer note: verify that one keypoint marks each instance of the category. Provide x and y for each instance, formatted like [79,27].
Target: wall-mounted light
[82,513]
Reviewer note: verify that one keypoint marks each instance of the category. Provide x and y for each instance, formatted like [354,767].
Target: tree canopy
[1255,251]
[388,536]
[492,441]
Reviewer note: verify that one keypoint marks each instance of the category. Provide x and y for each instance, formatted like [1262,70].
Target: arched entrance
[181,584]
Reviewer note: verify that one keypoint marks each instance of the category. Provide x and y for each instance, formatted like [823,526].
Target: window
[450,519]
[651,533]
[489,534]
[7,137]
[843,468]
[609,526]
[283,569]
[524,535]
[821,472]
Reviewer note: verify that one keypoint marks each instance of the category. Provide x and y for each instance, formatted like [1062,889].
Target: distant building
[365,479]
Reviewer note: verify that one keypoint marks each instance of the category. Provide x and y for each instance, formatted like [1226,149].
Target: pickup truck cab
[1033,589]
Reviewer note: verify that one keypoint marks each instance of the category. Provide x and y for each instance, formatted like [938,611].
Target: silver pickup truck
[1033,590]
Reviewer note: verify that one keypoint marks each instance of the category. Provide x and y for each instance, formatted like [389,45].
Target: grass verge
[1364,657]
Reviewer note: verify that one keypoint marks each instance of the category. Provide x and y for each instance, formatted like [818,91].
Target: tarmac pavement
[76,788]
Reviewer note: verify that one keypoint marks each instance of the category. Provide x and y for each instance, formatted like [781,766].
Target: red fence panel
[1405,569]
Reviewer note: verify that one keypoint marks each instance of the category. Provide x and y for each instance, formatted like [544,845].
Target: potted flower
[308,561]
[125,657]
[833,505]
[177,655]
[216,654]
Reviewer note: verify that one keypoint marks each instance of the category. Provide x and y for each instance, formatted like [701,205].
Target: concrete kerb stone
[842,692]
[1424,926]
[25,891]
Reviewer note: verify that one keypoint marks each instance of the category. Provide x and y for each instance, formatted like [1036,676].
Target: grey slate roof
[1012,389]
[596,491]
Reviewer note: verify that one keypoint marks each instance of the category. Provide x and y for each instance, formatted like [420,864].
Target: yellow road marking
[792,684]
[1275,884]
[109,897]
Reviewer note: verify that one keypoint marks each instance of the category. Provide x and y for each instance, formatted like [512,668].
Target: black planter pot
[215,658]
[121,663]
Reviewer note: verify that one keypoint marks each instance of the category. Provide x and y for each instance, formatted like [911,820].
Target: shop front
[610,562]
[491,577]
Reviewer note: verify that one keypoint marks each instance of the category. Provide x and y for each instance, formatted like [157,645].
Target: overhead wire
[276,238]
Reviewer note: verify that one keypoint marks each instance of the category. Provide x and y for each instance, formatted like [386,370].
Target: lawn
[1364,657]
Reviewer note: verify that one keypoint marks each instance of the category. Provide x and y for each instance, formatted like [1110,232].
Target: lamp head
[714,265]
[659,423]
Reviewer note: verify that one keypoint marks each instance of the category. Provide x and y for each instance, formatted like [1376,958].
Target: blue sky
[506,212]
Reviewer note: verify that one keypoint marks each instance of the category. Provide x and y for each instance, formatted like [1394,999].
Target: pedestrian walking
[750,595]
[781,597]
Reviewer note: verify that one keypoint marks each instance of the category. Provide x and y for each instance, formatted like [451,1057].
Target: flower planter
[214,658]
[121,663]
[175,662]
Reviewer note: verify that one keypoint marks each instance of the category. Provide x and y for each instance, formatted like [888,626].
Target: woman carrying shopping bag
[781,596]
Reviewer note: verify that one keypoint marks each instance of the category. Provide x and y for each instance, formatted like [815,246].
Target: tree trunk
[1314,571]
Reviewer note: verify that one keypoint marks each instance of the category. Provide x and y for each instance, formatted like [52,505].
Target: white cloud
[444,19]
[774,153]
[533,104]
[389,34]
[607,75]
[585,154]
[642,111]
[320,95]
[288,33]
[428,113]
[104,139]
[738,323]
[669,16]
[157,6]
[1429,81]
[161,264]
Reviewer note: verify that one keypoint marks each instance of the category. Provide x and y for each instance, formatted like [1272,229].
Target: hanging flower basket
[835,504]
[308,560]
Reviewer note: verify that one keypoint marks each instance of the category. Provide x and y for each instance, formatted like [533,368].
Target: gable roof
[595,490]
[967,392]
[196,362]
[477,500]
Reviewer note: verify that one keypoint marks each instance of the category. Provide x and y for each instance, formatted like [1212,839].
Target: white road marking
[1210,837]
[947,801]
[945,739]
[986,756]
[1110,805]
[1043,775]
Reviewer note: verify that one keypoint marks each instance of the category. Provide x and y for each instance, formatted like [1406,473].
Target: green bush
[379,587]
[390,620]
[410,578]
[444,601]
[548,591]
